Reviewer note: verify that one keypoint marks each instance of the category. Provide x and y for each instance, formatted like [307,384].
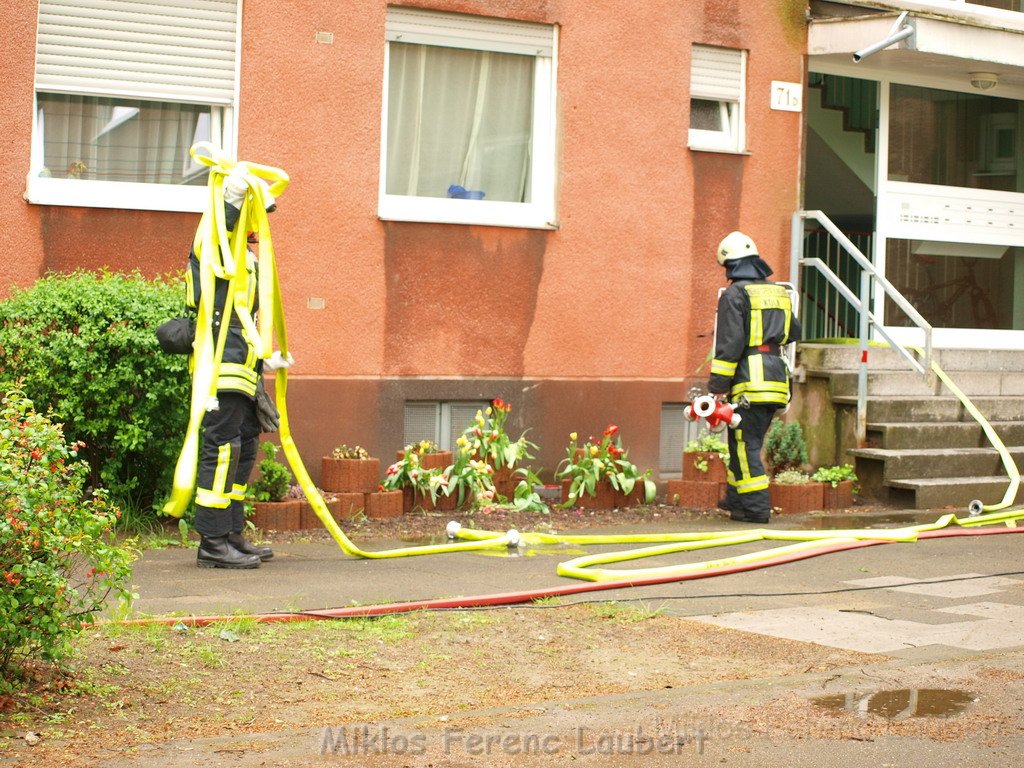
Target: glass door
[951,213]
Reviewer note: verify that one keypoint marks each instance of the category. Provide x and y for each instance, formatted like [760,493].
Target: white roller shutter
[716,74]
[184,51]
[477,33]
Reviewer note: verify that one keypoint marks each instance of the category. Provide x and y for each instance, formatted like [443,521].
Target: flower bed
[384,504]
[349,475]
[277,515]
[694,494]
[599,464]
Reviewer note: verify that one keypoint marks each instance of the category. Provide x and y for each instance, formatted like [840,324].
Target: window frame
[732,139]
[91,193]
[540,213]
[445,429]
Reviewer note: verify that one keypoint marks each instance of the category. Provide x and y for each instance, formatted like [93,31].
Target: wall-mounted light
[984,81]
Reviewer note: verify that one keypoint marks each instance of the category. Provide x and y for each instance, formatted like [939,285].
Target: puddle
[558,550]
[900,704]
[857,522]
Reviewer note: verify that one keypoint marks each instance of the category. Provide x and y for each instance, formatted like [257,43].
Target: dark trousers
[748,482]
[226,458]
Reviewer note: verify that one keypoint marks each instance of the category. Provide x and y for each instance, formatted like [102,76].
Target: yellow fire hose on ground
[220,252]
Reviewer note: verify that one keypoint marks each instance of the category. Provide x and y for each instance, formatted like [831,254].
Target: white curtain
[120,139]
[459,117]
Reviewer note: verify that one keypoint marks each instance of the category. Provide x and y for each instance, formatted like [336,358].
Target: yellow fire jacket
[755,319]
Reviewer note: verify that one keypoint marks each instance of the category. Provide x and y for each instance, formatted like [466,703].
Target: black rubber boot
[218,553]
[238,541]
[746,517]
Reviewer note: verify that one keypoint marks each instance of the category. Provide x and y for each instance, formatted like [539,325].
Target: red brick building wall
[601,320]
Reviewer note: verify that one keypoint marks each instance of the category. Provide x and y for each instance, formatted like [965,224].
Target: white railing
[868,325]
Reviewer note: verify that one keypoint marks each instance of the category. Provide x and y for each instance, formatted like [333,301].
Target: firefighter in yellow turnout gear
[755,320]
[231,426]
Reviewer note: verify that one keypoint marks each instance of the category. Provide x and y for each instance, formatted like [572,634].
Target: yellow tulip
[594,450]
[572,436]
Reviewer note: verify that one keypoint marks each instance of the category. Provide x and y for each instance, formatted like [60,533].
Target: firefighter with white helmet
[232,424]
[754,321]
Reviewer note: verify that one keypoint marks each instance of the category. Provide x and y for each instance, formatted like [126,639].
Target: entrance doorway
[929,184]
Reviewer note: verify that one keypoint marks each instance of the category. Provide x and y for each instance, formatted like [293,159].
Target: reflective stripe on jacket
[239,368]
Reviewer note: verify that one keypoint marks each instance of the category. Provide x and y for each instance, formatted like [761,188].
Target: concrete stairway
[924,450]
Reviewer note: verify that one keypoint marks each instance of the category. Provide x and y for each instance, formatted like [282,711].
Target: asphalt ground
[878,579]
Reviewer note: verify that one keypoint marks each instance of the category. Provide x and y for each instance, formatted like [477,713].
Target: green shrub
[791,477]
[58,561]
[835,474]
[275,478]
[708,442]
[83,345]
[784,446]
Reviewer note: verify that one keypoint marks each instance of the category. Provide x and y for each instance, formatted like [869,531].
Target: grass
[547,601]
[626,613]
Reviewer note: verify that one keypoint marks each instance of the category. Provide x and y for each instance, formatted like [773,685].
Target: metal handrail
[862,304]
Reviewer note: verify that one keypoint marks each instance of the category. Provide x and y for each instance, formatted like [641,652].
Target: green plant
[275,478]
[791,477]
[423,447]
[708,442]
[83,345]
[487,438]
[525,497]
[408,472]
[59,561]
[598,460]
[784,446]
[471,479]
[355,452]
[834,474]
[626,613]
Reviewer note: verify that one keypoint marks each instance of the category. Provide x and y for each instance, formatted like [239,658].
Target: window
[717,86]
[440,422]
[123,89]
[954,139]
[468,120]
[676,432]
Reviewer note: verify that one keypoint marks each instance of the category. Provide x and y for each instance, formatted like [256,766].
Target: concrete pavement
[958,593]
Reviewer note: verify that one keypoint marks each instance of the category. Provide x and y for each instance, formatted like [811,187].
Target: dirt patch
[430,526]
[135,686]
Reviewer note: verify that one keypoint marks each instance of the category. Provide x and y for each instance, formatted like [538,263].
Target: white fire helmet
[734,246]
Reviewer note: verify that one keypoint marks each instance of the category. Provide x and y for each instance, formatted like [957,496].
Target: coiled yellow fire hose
[219,252]
[581,567]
